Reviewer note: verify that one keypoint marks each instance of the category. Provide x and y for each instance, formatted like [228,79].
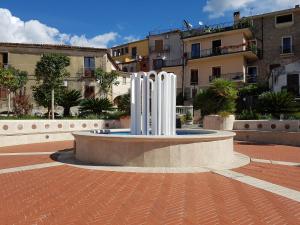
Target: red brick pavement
[287,176]
[270,152]
[16,161]
[40,147]
[66,195]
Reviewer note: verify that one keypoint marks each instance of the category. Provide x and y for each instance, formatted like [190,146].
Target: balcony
[211,29]
[154,49]
[170,63]
[235,77]
[224,50]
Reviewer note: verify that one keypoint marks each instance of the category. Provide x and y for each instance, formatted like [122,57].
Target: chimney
[236,17]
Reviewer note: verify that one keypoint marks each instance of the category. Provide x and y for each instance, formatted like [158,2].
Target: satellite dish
[201,23]
[187,25]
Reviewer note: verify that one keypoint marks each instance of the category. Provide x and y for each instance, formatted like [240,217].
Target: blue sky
[107,23]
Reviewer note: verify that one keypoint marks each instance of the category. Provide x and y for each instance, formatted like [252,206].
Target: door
[293,83]
[216,47]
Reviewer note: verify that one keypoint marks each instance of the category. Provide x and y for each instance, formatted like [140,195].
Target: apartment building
[132,57]
[83,62]
[220,51]
[278,36]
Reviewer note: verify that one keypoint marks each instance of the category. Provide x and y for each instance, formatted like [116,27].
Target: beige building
[83,62]
[217,52]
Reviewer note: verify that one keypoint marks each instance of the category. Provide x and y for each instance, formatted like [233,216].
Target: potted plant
[188,118]
[217,105]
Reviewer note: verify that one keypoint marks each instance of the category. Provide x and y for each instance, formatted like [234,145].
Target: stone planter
[189,122]
[125,121]
[216,122]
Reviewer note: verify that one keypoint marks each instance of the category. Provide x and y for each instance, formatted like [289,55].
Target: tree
[123,103]
[276,103]
[12,80]
[96,106]
[68,99]
[218,98]
[51,70]
[106,80]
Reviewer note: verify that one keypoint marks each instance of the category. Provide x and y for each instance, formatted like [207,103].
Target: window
[293,84]
[284,19]
[216,47]
[126,50]
[194,77]
[89,66]
[133,52]
[124,80]
[89,92]
[159,45]
[252,74]
[286,45]
[216,72]
[114,53]
[125,69]
[3,93]
[195,51]
[157,64]
[122,51]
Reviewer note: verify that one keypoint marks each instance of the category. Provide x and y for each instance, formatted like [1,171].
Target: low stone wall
[285,132]
[17,132]
[268,125]
[216,122]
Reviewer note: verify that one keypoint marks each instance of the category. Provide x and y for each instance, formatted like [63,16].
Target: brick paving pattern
[16,161]
[287,176]
[66,195]
[42,147]
[270,152]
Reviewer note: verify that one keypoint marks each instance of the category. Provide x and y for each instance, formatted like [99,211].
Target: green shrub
[248,115]
[123,103]
[219,97]
[277,103]
[97,106]
[68,99]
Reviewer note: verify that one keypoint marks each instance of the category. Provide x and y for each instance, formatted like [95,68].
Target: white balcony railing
[183,110]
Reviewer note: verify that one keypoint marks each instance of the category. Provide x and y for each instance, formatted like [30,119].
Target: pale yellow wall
[177,70]
[226,39]
[142,49]
[228,64]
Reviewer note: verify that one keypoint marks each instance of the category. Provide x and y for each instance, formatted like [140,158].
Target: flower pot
[217,122]
[125,121]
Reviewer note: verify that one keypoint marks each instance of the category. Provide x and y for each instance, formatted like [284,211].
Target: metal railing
[287,50]
[222,51]
[174,62]
[238,77]
[210,29]
[154,49]
[183,110]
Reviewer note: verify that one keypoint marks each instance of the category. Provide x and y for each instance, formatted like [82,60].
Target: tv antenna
[187,25]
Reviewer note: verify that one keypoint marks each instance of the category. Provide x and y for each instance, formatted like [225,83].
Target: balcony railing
[203,30]
[238,77]
[175,62]
[89,72]
[153,49]
[224,50]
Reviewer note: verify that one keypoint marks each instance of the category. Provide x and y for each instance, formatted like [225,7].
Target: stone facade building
[83,62]
[278,36]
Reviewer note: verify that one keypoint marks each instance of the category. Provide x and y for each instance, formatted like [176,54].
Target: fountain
[153,140]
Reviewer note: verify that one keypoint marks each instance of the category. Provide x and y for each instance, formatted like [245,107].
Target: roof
[133,42]
[51,46]
[113,61]
[276,12]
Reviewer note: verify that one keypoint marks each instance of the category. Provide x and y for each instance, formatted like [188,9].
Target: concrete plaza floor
[36,189]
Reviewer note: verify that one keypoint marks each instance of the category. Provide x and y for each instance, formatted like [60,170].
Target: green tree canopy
[68,99]
[106,80]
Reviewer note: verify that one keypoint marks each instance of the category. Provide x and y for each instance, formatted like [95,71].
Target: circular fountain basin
[189,148]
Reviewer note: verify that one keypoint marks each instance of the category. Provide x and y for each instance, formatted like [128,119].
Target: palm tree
[96,106]
[69,98]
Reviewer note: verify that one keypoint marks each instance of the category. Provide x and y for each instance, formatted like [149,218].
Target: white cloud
[218,8]
[130,38]
[13,29]
[100,41]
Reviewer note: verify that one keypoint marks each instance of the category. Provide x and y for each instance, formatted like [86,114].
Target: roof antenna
[187,25]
